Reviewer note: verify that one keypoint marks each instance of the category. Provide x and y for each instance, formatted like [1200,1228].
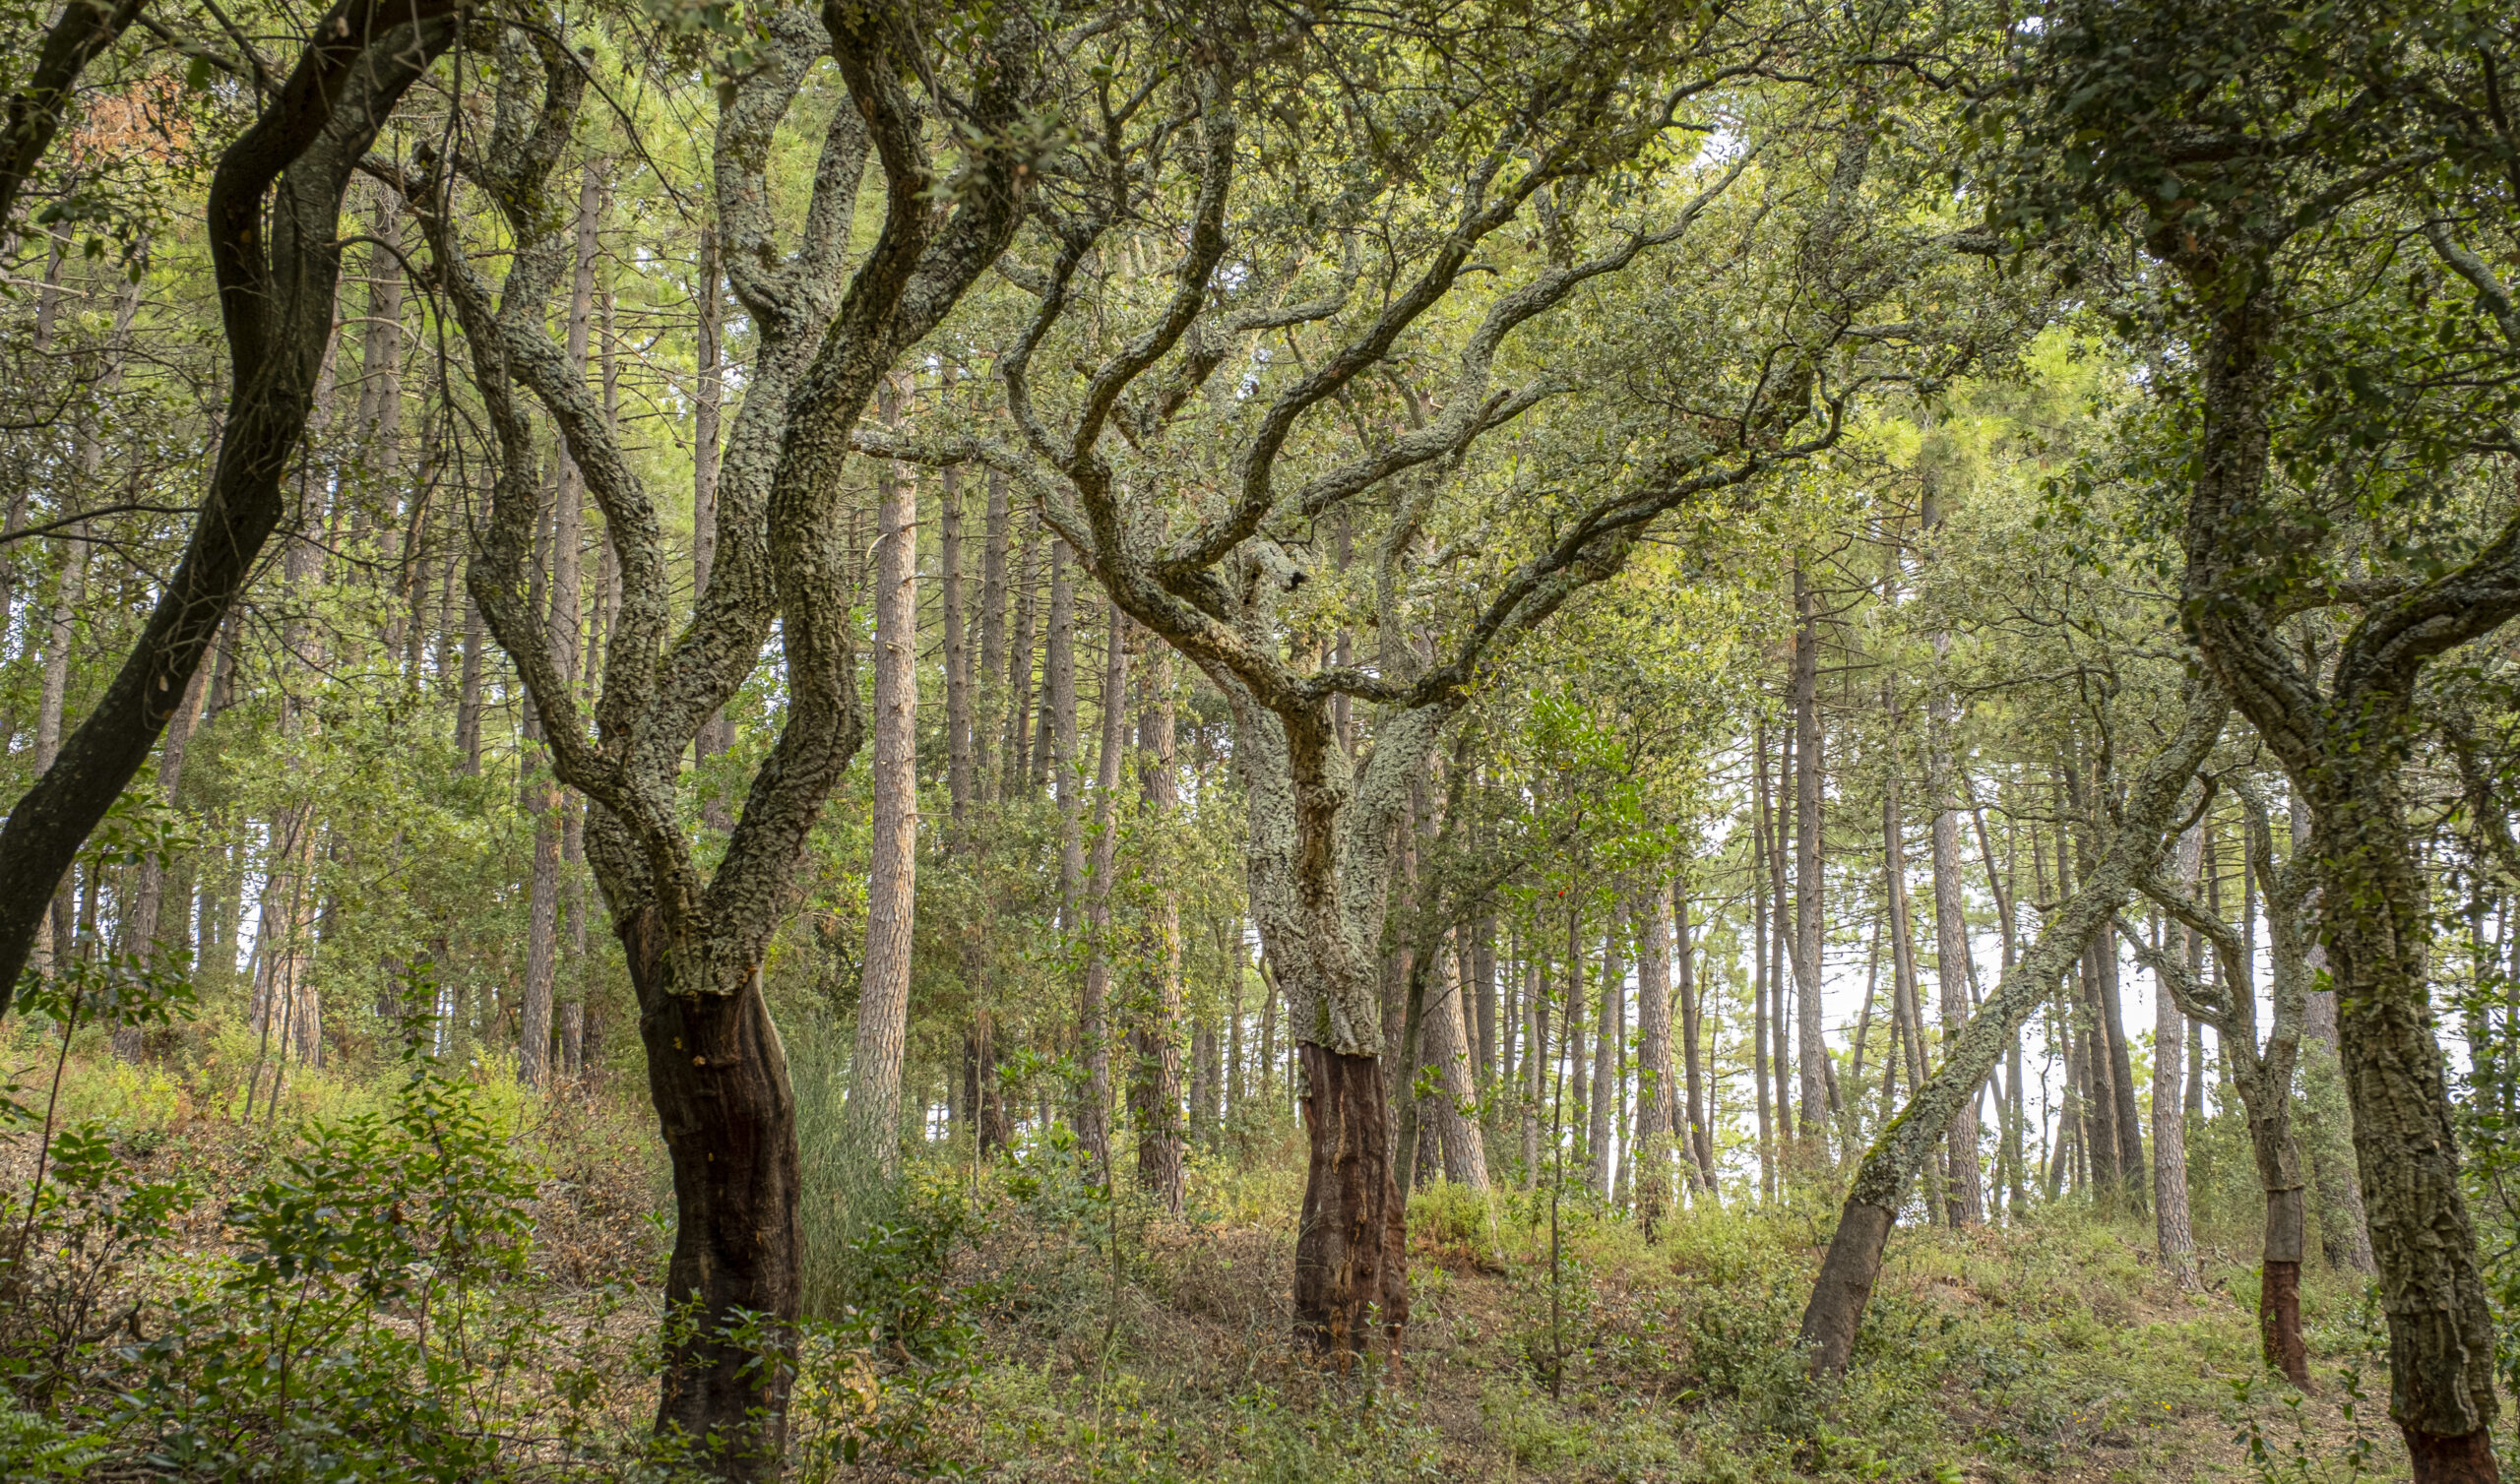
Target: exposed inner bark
[719,1077]
[1352,1276]
[2279,1320]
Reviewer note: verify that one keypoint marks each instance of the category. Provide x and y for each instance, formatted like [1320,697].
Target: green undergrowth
[2052,1348]
[491,1309]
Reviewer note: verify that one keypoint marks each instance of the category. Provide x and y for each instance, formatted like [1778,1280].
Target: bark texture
[1656,1099]
[1352,1275]
[892,873]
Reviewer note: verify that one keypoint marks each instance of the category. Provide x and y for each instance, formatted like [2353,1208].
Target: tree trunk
[717,1072]
[468,704]
[1155,1037]
[1761,1000]
[2127,1115]
[533,1029]
[993,685]
[1692,1032]
[718,732]
[2172,1235]
[1448,1049]
[1906,1017]
[1095,1006]
[960,764]
[1656,1088]
[1602,1126]
[1577,1093]
[1056,762]
[1482,972]
[142,933]
[1903,1146]
[69,589]
[1966,1188]
[1809,1050]
[1018,676]
[1535,1087]
[1352,1278]
[1054,751]
[892,871]
[2345,1236]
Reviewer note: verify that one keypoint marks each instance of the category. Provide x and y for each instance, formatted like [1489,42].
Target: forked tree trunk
[1904,1145]
[1321,846]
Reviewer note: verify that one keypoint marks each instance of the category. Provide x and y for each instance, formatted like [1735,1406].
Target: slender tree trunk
[892,871]
[709,392]
[1154,1039]
[2345,1236]
[1656,1088]
[69,591]
[2173,1234]
[1058,762]
[2127,1114]
[1482,971]
[1951,980]
[1095,1008]
[1019,675]
[1534,1062]
[1578,1113]
[1692,1030]
[1761,1000]
[1809,1050]
[959,765]
[1905,1015]
[1055,746]
[991,686]
[1447,1047]
[1602,1124]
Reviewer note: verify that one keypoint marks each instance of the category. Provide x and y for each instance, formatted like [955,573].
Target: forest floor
[2052,1349]
[1006,1322]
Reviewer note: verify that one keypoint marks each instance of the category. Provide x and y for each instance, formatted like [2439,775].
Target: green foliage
[372,1312]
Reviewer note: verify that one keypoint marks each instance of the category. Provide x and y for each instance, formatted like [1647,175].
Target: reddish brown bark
[719,1077]
[2279,1320]
[2467,1458]
[1352,1275]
